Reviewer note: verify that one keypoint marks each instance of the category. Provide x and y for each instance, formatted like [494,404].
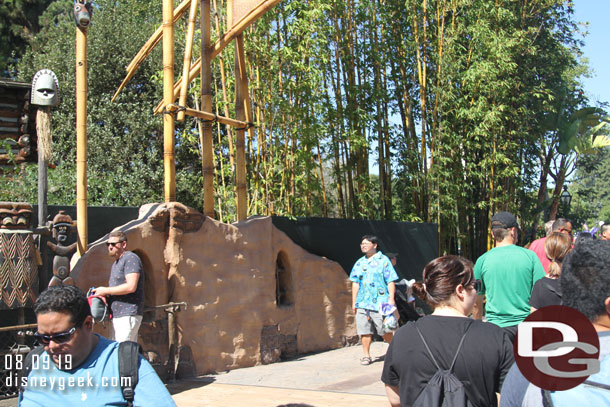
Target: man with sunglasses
[126,288]
[78,367]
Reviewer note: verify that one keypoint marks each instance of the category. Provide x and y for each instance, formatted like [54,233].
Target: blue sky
[597,46]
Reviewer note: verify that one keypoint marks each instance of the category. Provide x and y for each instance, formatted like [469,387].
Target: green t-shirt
[508,274]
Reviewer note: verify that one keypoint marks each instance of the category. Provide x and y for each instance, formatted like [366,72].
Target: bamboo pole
[207,146]
[81,140]
[188,52]
[208,116]
[147,48]
[224,88]
[239,42]
[240,113]
[168,99]
[225,40]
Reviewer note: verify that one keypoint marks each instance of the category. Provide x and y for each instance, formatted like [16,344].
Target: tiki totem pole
[62,228]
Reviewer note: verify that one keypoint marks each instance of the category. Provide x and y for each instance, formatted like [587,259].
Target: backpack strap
[128,368]
[432,356]
[458,349]
[547,401]
[597,384]
[427,347]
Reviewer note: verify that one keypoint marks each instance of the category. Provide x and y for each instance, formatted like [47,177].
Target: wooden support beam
[188,52]
[209,116]
[241,88]
[222,42]
[207,144]
[168,98]
[148,47]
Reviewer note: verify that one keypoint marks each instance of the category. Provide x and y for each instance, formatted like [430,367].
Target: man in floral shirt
[372,280]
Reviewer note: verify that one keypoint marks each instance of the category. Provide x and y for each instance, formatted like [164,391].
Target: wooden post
[173,345]
[207,145]
[43,125]
[168,98]
[241,89]
[81,140]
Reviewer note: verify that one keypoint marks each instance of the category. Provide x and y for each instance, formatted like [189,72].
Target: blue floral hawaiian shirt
[373,274]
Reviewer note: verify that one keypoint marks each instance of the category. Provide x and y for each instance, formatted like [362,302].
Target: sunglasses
[108,244]
[61,337]
[477,284]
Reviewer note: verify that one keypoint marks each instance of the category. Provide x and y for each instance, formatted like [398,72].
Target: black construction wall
[339,240]
[100,219]
[336,239]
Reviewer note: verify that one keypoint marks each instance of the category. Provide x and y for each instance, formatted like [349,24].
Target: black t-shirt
[485,357]
[546,291]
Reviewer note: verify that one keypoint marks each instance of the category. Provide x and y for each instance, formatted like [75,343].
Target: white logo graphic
[568,344]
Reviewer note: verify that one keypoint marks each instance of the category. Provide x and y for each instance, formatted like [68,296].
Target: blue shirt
[94,383]
[373,274]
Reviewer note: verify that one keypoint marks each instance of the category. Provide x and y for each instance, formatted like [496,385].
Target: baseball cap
[390,255]
[504,220]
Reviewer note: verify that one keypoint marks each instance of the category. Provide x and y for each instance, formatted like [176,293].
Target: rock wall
[252,295]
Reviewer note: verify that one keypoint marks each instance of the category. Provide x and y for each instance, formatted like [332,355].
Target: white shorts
[126,328]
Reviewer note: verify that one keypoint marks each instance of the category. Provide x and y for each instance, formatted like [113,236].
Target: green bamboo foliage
[413,110]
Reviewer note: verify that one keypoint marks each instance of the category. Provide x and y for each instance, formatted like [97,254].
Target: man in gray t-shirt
[126,288]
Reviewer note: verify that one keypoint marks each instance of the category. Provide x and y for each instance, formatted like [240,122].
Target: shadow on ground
[188,384]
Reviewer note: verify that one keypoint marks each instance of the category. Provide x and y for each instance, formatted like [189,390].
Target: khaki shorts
[368,321]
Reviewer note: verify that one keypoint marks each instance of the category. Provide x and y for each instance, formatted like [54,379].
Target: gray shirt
[128,304]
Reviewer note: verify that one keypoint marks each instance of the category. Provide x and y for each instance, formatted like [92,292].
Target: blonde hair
[556,247]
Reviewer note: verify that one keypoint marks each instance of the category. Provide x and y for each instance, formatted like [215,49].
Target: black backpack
[443,389]
[128,367]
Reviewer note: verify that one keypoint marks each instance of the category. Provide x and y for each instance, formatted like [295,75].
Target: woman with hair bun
[547,291]
[484,357]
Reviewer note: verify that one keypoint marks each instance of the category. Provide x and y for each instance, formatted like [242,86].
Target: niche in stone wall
[284,291]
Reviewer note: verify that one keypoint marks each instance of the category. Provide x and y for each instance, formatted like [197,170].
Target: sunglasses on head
[61,337]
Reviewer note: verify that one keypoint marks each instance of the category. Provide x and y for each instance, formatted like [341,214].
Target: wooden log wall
[17,124]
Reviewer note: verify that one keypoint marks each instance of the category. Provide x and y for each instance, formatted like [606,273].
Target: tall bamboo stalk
[81,140]
[168,99]
[147,49]
[207,147]
[225,99]
[226,39]
[241,88]
[324,202]
[188,52]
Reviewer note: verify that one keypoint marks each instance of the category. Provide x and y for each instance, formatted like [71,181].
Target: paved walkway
[333,378]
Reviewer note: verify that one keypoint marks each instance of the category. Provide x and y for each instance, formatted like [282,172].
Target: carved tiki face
[15,215]
[82,13]
[45,88]
[62,227]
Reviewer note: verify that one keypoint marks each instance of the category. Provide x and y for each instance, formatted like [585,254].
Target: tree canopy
[437,110]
